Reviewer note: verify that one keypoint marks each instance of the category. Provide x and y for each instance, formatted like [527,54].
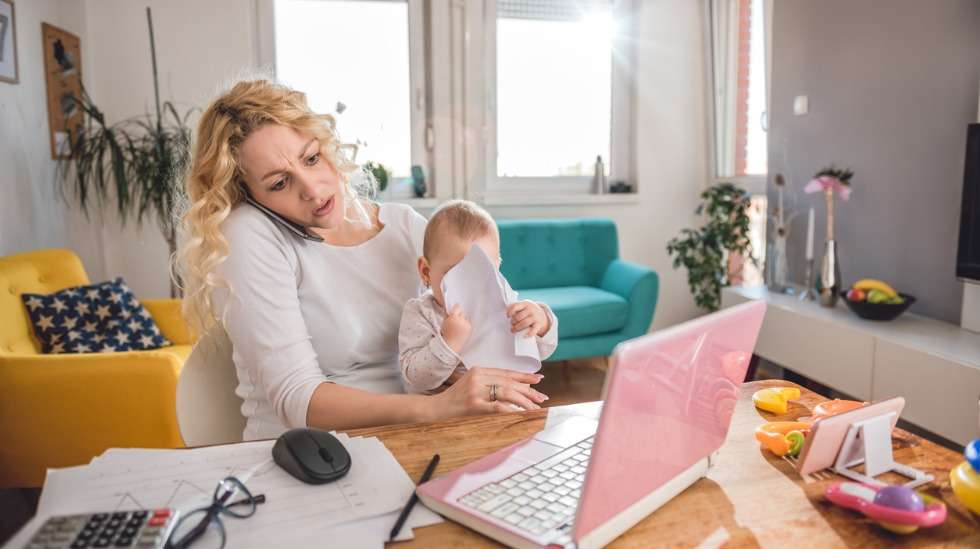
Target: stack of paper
[356,511]
[477,286]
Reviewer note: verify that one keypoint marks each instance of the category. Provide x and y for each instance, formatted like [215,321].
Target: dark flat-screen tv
[968,256]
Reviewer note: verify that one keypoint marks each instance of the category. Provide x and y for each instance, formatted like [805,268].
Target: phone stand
[870,442]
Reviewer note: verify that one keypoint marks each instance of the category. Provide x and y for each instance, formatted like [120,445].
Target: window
[553,86]
[557,88]
[361,61]
[739,63]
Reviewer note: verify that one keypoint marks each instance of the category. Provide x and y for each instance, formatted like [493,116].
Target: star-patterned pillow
[103,317]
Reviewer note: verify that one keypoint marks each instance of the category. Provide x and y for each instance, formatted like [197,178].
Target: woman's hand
[530,316]
[488,390]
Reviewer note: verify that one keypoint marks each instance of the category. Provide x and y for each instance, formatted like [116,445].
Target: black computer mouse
[311,455]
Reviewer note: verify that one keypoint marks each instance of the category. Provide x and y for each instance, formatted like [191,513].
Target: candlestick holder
[830,283]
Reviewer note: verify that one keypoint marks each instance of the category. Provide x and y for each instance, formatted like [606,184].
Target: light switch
[801,105]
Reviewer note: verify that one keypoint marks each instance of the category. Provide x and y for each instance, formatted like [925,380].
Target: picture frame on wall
[8,43]
[63,81]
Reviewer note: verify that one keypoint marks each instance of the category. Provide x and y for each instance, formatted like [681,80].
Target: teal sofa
[573,265]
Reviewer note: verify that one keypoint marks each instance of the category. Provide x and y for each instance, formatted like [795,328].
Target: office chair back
[208,410]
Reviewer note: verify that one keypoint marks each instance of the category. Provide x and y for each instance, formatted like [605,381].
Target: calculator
[138,528]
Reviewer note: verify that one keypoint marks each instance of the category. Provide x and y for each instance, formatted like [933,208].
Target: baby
[430,338]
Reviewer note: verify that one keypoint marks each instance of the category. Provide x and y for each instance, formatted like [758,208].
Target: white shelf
[935,365]
[925,334]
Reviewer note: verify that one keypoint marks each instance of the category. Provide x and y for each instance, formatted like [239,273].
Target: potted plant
[380,173]
[703,251]
[139,162]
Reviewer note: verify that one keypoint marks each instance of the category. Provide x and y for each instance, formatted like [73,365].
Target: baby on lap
[431,338]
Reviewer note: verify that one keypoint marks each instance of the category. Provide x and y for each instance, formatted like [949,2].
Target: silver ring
[493,392]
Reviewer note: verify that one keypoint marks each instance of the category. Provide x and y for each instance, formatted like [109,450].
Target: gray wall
[892,85]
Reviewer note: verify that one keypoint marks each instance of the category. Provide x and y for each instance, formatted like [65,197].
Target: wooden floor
[572,381]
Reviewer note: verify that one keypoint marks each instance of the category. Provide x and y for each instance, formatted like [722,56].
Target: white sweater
[302,313]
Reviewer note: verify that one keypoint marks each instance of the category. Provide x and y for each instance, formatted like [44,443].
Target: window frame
[400,188]
[621,165]
[721,157]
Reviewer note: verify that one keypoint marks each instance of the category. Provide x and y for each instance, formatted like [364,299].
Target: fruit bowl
[878,311]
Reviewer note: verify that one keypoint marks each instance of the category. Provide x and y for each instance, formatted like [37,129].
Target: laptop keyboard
[540,497]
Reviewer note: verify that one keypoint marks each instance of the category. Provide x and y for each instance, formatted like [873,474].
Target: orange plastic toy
[834,407]
[782,437]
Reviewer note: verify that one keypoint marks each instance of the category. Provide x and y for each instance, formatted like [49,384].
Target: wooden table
[749,499]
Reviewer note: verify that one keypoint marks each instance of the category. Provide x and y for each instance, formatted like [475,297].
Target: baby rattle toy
[896,508]
[834,407]
[965,477]
[775,399]
[783,438]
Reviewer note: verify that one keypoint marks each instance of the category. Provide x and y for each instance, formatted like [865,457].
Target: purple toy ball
[900,497]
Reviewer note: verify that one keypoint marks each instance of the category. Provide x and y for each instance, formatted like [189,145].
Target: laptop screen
[669,402]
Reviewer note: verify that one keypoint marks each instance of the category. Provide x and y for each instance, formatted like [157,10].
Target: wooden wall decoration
[63,79]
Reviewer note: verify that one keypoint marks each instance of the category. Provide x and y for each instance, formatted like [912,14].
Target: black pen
[411,501]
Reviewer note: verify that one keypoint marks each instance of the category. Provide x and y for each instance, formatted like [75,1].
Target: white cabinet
[934,365]
[941,395]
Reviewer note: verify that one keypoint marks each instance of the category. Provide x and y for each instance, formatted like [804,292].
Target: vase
[830,284]
[777,267]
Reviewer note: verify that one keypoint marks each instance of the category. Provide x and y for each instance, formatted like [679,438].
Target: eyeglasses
[241,508]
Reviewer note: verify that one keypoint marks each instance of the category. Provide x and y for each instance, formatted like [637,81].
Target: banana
[868,284]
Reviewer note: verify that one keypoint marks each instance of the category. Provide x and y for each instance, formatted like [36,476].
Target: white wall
[32,214]
[199,46]
[202,44]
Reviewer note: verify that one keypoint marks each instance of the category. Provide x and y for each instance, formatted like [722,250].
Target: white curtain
[723,27]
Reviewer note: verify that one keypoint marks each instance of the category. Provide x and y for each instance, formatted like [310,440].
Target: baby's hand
[529,315]
[456,329]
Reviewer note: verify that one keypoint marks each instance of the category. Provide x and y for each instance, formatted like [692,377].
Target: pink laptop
[668,403]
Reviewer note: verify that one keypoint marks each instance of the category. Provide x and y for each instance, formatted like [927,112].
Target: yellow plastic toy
[782,437]
[965,478]
[775,399]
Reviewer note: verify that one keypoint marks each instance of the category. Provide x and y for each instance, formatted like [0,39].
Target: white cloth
[301,313]
[426,359]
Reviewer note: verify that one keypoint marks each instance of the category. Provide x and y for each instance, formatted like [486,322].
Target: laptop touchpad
[568,432]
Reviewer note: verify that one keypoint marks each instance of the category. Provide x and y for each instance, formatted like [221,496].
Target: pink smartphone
[827,434]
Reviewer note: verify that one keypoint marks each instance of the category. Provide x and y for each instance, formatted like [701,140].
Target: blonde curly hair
[215,179]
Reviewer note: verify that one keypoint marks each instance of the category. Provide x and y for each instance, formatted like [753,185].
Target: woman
[307,276]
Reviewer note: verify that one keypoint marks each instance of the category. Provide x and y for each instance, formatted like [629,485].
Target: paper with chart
[484,294]
[357,510]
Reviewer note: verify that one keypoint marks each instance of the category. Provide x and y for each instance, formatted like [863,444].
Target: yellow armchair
[63,410]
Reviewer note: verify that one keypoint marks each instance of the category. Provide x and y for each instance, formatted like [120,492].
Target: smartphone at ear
[290,226]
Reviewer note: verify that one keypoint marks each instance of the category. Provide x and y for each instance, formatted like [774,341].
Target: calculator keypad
[141,528]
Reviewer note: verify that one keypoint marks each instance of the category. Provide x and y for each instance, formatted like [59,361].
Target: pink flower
[825,182]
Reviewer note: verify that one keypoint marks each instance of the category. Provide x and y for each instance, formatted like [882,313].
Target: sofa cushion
[551,253]
[582,310]
[103,317]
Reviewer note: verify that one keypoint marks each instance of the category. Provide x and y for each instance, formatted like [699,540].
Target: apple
[856,295]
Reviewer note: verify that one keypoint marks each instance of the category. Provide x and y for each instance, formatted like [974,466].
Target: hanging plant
[703,251]
[139,162]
